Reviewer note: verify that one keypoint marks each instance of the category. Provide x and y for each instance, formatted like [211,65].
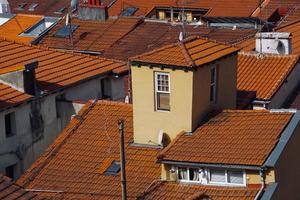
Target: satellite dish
[160,137]
[280,48]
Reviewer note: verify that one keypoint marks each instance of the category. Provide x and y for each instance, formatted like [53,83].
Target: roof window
[113,169]
[60,11]
[33,6]
[21,6]
[129,11]
[65,31]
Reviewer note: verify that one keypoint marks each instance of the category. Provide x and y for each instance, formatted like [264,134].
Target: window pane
[163,101]
[235,177]
[182,173]
[194,174]
[217,176]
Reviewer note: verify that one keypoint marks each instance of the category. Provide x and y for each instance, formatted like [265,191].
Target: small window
[10,125]
[10,171]
[235,177]
[162,90]
[129,11]
[217,176]
[213,84]
[231,177]
[64,32]
[188,174]
[113,169]
[32,6]
[21,6]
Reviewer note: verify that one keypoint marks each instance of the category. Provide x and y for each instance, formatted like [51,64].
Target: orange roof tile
[11,97]
[173,190]
[56,69]
[247,44]
[214,7]
[293,28]
[263,74]
[192,52]
[17,25]
[94,36]
[11,191]
[73,163]
[231,137]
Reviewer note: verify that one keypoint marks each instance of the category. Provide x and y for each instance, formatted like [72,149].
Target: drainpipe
[263,184]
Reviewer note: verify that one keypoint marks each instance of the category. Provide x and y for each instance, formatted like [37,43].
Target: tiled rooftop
[179,191]
[17,25]
[145,38]
[56,69]
[11,191]
[47,8]
[263,74]
[192,52]
[11,97]
[293,28]
[93,36]
[231,137]
[215,7]
[74,163]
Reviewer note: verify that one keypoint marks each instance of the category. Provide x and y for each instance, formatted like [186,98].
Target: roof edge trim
[283,140]
[269,192]
[216,165]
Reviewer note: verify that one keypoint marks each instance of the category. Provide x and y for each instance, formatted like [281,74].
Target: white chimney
[4,7]
[274,42]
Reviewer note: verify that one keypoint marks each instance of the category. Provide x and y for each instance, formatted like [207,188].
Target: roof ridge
[287,24]
[256,54]
[186,54]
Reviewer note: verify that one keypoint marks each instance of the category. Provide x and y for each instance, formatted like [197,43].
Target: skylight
[129,11]
[33,6]
[65,31]
[113,169]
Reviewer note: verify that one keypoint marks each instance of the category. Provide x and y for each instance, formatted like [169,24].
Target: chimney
[22,80]
[274,42]
[4,7]
[30,85]
[92,10]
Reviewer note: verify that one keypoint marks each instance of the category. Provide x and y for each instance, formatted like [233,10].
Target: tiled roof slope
[179,191]
[17,25]
[145,38]
[94,36]
[56,69]
[292,6]
[232,137]
[293,28]
[192,52]
[76,161]
[215,7]
[263,74]
[11,97]
[47,8]
[11,191]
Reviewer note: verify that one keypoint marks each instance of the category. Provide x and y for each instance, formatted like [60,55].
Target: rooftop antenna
[122,159]
[73,6]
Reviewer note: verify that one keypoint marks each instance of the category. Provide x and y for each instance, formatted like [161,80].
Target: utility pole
[122,159]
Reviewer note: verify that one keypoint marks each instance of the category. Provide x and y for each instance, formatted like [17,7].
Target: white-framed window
[162,91]
[214,176]
[213,84]
[226,176]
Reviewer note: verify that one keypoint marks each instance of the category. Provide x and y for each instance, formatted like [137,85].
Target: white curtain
[182,173]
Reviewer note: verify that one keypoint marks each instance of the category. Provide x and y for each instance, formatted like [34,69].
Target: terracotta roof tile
[47,8]
[56,69]
[231,137]
[11,191]
[94,36]
[263,74]
[11,97]
[180,191]
[73,164]
[192,52]
[214,7]
[17,25]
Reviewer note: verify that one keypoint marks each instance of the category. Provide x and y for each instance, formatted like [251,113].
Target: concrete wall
[286,89]
[287,169]
[147,121]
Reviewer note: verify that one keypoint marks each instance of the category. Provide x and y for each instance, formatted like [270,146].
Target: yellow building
[176,86]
